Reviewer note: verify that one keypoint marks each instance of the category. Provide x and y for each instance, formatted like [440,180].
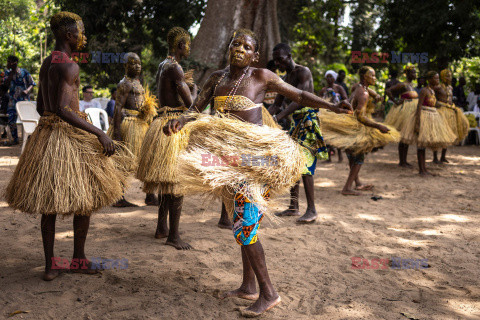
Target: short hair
[394,73]
[283,46]
[341,71]
[174,36]
[85,88]
[363,70]
[247,32]
[130,55]
[271,65]
[409,68]
[430,74]
[63,21]
[113,90]
[12,58]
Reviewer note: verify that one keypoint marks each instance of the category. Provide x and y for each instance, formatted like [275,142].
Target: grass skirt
[268,119]
[398,116]
[344,131]
[63,171]
[132,131]
[158,155]
[228,138]
[457,121]
[434,132]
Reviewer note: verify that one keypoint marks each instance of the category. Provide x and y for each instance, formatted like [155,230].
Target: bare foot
[309,217]
[179,244]
[260,306]
[350,193]
[288,213]
[444,160]
[122,203]
[87,268]
[405,165]
[240,293]
[436,161]
[425,174]
[51,274]
[364,187]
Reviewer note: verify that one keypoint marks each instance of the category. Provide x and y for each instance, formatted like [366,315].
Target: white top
[472,100]
[91,104]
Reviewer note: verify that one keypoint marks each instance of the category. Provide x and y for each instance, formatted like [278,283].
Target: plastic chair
[96,116]
[476,130]
[103,102]
[28,115]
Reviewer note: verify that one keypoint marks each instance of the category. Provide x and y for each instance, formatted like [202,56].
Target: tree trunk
[222,17]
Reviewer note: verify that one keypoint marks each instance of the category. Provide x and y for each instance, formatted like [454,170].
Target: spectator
[111,104]
[390,83]
[88,101]
[340,77]
[420,84]
[473,96]
[459,94]
[19,83]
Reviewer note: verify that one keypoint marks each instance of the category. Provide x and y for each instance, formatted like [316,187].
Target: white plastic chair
[103,102]
[476,130]
[28,115]
[95,115]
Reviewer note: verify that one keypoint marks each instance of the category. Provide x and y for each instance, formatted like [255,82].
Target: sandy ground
[310,265]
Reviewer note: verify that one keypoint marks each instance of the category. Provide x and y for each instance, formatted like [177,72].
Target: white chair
[28,115]
[103,102]
[476,130]
[96,115]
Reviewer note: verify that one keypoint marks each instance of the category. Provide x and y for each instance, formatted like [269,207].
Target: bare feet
[364,187]
[122,203]
[350,193]
[405,165]
[85,268]
[288,213]
[151,200]
[444,160]
[260,306]
[425,174]
[240,293]
[436,161]
[309,217]
[51,274]
[179,244]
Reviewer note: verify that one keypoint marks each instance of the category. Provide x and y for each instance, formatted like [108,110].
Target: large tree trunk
[222,17]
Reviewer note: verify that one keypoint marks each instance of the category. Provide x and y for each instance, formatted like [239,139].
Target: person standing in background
[88,101]
[111,104]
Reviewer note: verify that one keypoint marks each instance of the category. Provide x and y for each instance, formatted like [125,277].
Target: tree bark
[222,17]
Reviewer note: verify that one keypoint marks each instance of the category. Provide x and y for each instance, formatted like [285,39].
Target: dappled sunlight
[8,161]
[414,243]
[370,217]
[464,308]
[64,235]
[325,184]
[444,217]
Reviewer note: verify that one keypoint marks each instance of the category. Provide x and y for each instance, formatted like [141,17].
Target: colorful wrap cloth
[63,171]
[305,129]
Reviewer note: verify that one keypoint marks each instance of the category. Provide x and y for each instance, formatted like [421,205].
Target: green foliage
[468,68]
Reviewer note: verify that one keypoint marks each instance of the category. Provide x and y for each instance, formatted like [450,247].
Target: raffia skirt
[63,171]
[257,158]
[434,132]
[344,131]
[398,116]
[132,131]
[159,153]
[457,121]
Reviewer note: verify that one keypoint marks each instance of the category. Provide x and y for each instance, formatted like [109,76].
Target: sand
[310,265]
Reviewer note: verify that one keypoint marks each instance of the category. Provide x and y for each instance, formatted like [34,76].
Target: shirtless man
[159,152]
[407,104]
[240,79]
[315,148]
[58,102]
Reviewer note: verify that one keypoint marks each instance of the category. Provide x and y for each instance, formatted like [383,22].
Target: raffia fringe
[63,171]
[344,131]
[225,137]
[434,132]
